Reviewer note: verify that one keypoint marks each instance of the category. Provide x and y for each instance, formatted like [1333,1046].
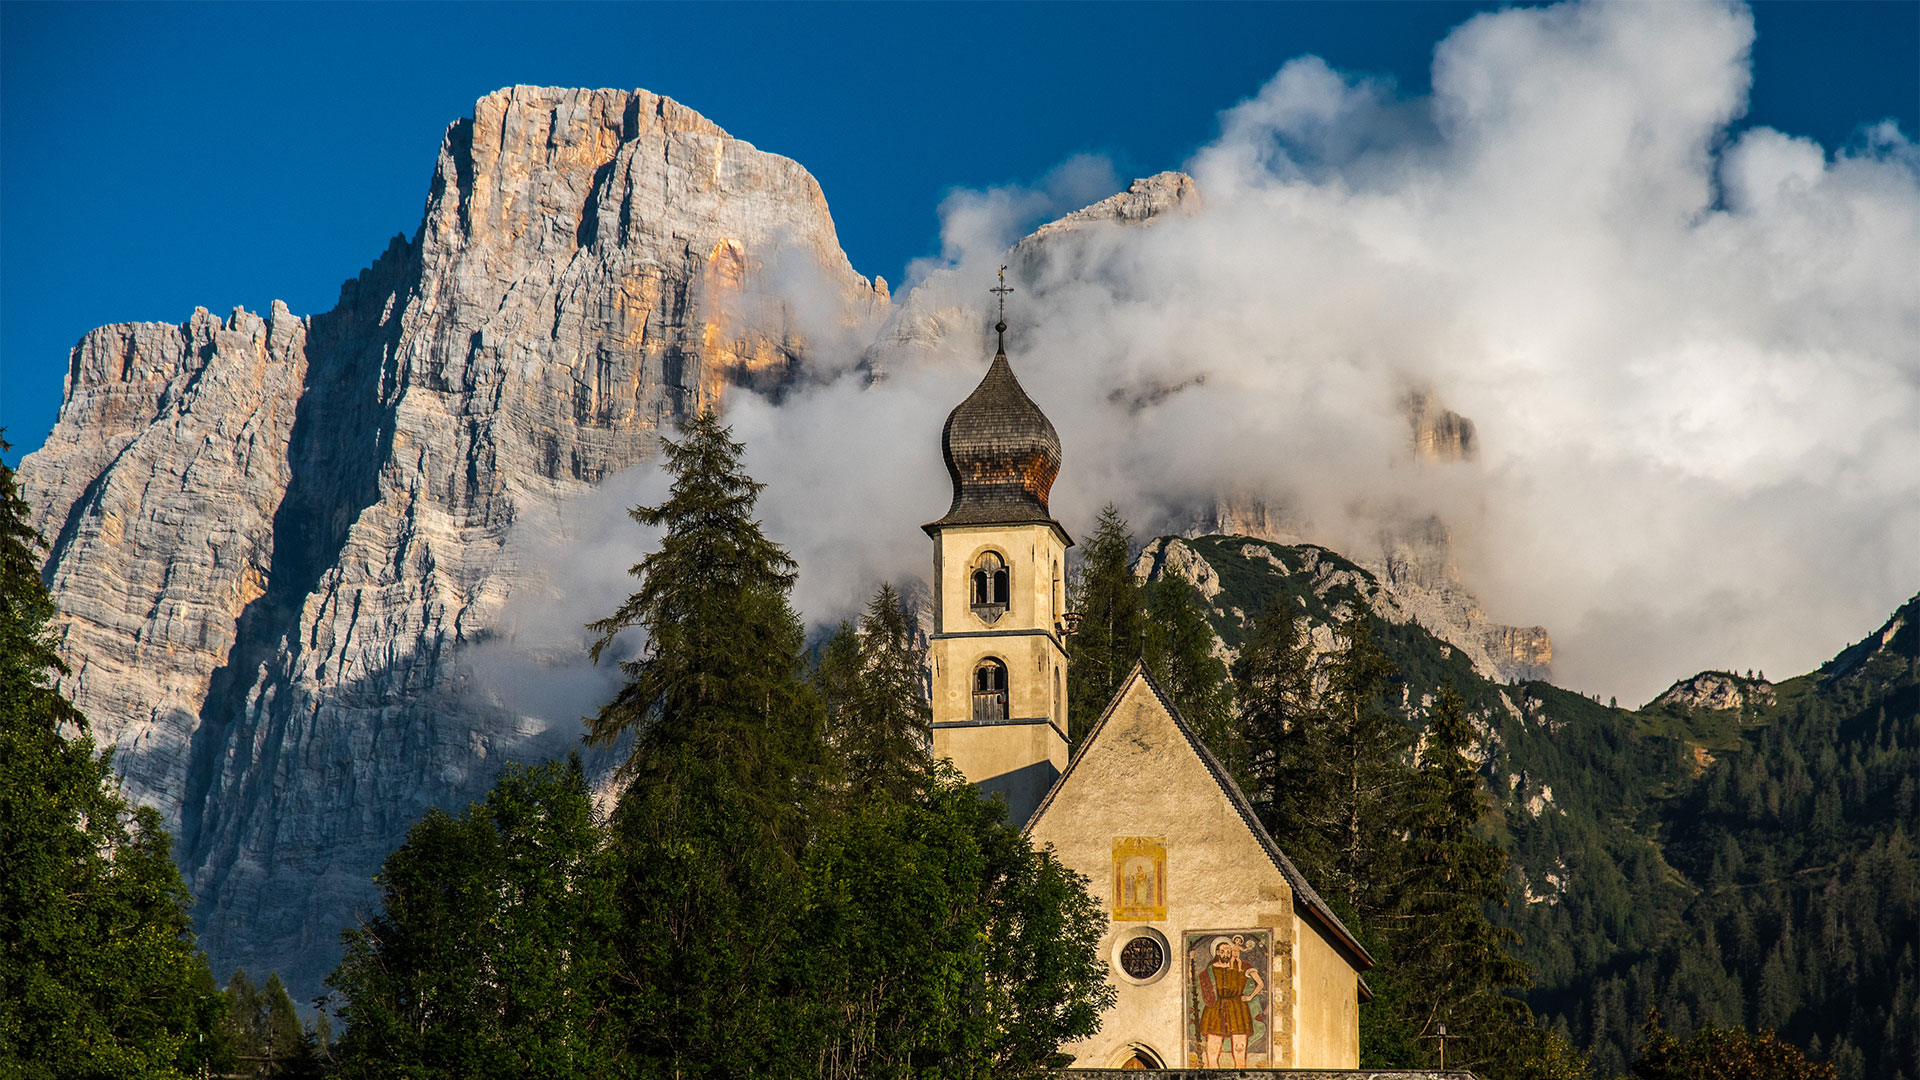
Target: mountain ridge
[269,534]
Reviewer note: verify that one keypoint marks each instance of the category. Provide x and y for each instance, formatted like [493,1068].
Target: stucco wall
[1328,1025]
[1016,760]
[1139,777]
[1036,555]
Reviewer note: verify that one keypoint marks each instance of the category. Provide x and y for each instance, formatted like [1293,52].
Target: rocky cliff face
[272,536]
[277,542]
[1436,603]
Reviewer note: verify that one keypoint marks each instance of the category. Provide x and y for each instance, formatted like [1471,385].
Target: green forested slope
[1750,865]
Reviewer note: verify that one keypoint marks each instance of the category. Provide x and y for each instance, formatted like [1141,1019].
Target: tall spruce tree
[1371,777]
[1112,633]
[1180,654]
[1452,957]
[715,700]
[99,974]
[879,723]
[724,778]
[1285,747]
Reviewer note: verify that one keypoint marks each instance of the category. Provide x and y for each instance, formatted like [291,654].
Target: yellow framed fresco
[1140,878]
[1229,1022]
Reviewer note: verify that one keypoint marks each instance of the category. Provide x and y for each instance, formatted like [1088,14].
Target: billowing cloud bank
[1693,360]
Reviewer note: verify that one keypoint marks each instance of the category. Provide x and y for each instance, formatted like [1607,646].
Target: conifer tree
[726,771]
[1286,750]
[1722,1053]
[879,722]
[715,699]
[1180,653]
[99,974]
[1369,771]
[1455,960]
[1112,633]
[260,1034]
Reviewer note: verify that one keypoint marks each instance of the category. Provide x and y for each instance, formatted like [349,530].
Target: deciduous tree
[491,953]
[941,944]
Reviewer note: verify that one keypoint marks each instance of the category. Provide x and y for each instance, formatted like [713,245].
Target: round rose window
[1143,957]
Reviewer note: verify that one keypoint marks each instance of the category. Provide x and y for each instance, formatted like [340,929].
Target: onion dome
[1002,453]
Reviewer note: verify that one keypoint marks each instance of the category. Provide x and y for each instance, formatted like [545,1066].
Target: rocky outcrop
[1419,593]
[1440,435]
[1243,515]
[272,537]
[1416,562]
[1717,690]
[1144,200]
[943,315]
[157,493]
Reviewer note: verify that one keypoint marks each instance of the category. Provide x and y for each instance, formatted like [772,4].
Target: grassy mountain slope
[1740,852]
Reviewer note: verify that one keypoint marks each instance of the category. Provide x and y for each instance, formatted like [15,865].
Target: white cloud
[1693,360]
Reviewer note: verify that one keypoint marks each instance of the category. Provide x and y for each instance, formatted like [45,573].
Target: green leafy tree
[261,1031]
[879,723]
[491,954]
[726,774]
[99,974]
[941,944]
[1112,633]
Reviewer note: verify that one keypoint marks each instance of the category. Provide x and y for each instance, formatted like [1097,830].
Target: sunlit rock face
[270,537]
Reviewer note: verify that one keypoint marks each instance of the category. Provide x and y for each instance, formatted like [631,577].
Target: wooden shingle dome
[1002,453]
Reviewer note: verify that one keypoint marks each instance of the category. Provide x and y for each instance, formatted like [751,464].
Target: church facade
[1223,956]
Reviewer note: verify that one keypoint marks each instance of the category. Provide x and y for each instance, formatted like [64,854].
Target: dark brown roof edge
[932,528]
[1295,880]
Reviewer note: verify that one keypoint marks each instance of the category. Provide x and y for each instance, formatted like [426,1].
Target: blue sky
[155,157]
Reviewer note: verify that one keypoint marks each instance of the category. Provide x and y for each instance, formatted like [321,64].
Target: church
[1222,954]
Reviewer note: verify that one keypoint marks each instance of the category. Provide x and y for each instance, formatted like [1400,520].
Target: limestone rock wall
[271,536]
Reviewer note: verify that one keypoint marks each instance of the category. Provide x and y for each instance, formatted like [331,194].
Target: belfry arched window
[990,690]
[989,587]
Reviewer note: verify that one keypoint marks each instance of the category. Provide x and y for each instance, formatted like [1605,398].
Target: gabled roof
[1315,906]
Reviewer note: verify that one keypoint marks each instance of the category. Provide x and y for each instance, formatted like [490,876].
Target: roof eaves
[1295,880]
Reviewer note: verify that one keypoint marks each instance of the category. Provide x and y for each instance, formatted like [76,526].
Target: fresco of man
[1226,986]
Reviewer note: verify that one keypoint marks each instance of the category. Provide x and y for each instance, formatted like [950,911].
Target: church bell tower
[998,650]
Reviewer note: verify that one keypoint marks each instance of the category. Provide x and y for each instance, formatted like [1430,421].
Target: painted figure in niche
[1139,888]
[1139,877]
[1228,997]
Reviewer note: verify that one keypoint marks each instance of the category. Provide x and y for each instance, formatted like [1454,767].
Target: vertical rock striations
[270,536]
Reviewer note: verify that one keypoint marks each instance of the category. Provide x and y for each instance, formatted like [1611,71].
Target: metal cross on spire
[1001,326]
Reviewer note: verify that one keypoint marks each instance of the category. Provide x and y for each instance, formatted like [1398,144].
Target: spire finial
[1001,326]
